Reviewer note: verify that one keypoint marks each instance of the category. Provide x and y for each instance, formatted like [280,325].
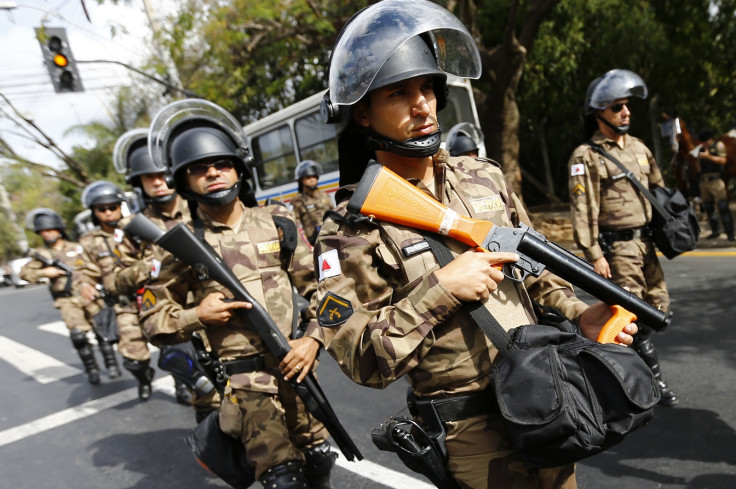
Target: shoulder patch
[329,265]
[118,235]
[148,300]
[578,190]
[155,268]
[333,310]
[577,169]
[487,204]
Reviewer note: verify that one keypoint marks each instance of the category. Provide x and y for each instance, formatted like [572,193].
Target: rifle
[384,195]
[49,262]
[182,243]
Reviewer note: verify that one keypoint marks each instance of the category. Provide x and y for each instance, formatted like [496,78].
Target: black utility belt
[710,177]
[455,408]
[59,295]
[642,233]
[256,363]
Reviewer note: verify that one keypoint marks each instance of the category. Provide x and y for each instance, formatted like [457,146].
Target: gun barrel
[569,267]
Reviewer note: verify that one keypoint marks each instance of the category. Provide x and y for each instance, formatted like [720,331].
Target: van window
[274,152]
[317,141]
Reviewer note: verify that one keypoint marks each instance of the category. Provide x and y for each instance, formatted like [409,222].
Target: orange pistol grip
[621,317]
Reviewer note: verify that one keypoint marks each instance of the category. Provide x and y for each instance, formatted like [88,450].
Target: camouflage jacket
[253,251]
[309,210]
[601,198]
[68,255]
[383,311]
[98,265]
[136,256]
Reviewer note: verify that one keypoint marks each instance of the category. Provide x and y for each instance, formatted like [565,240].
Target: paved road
[58,431]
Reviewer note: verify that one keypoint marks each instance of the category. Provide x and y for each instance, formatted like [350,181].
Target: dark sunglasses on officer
[106,207]
[200,169]
[616,108]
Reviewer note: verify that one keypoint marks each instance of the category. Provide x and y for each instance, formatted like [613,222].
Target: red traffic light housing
[59,59]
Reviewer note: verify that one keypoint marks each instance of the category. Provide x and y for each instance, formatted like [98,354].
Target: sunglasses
[201,169]
[104,208]
[618,107]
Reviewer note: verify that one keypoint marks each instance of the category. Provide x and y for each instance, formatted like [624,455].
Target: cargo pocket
[231,419]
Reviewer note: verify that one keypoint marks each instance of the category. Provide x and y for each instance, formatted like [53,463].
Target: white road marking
[58,327]
[383,475]
[43,368]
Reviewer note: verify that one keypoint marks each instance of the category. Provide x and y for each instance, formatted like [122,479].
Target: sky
[24,79]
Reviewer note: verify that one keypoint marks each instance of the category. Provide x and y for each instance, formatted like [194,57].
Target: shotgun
[384,195]
[49,262]
[182,243]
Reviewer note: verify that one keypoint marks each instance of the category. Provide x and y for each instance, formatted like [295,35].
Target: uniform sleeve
[32,271]
[584,186]
[87,271]
[655,175]
[374,339]
[164,317]
[300,268]
[136,260]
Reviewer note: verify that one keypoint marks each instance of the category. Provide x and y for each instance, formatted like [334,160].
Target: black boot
[84,349]
[726,219]
[646,351]
[319,463]
[111,362]
[285,476]
[143,373]
[710,211]
[183,394]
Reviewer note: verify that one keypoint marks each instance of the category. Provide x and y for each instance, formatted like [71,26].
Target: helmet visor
[614,85]
[370,38]
[181,111]
[466,129]
[123,146]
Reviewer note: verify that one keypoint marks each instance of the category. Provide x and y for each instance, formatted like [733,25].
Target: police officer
[97,276]
[386,307]
[162,206]
[463,139]
[609,208]
[311,203]
[206,153]
[712,160]
[49,225]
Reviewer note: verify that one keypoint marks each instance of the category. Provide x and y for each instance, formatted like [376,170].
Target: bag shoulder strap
[635,181]
[482,316]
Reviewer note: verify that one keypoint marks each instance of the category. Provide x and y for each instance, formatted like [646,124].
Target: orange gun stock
[621,317]
[384,195]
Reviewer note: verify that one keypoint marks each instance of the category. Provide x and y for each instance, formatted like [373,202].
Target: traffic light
[59,59]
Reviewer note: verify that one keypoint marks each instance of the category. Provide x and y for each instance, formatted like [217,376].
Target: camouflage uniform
[601,203]
[102,256]
[713,191]
[309,210]
[66,301]
[259,402]
[384,315]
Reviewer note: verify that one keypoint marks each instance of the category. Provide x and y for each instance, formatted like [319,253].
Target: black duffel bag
[105,324]
[674,224]
[564,397]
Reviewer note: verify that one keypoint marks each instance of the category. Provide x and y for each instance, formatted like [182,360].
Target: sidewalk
[553,221]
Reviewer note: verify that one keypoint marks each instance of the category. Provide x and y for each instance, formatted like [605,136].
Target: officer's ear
[360,114]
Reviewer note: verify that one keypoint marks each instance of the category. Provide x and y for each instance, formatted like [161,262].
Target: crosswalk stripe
[43,368]
[75,413]
[58,327]
[384,475]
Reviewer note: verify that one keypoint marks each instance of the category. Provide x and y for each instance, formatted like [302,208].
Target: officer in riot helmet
[386,307]
[463,139]
[163,207]
[56,262]
[207,155]
[310,203]
[97,283]
[609,215]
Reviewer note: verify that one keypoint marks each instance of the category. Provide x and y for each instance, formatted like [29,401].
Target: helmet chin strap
[618,129]
[160,200]
[218,197]
[421,147]
[51,242]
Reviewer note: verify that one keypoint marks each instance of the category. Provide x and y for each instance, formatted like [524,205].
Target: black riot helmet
[193,130]
[389,42]
[463,138]
[306,168]
[130,157]
[101,192]
[613,85]
[43,218]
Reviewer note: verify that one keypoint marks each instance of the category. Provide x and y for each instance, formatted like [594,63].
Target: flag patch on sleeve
[155,268]
[329,265]
[577,169]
